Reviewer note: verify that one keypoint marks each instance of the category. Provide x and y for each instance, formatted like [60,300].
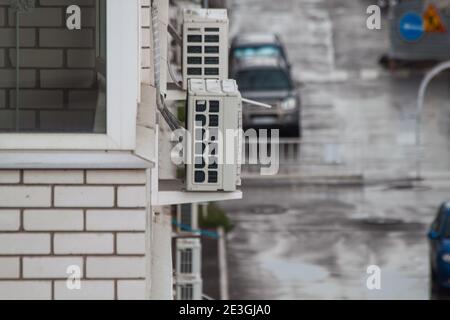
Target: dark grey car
[268,80]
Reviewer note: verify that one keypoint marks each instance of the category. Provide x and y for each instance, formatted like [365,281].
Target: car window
[257,51]
[260,80]
[437,223]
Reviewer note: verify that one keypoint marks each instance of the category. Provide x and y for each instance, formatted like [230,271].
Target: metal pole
[420,103]
[205,4]
[223,267]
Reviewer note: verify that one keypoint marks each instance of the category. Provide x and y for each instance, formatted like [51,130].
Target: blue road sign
[411,27]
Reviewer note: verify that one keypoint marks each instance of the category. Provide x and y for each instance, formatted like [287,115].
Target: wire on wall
[170,119]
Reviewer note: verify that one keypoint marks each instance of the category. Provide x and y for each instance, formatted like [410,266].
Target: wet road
[315,241]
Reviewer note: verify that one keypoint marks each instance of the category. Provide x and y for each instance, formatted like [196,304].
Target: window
[257,51]
[186,261]
[68,69]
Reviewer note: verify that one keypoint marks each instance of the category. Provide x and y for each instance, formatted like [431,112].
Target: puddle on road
[294,270]
[385,223]
[407,186]
[380,221]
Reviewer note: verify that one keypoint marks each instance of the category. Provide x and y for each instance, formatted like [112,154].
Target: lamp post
[420,103]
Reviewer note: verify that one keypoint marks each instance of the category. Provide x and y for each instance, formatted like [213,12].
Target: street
[312,236]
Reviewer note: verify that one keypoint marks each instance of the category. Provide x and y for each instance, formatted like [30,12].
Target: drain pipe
[420,106]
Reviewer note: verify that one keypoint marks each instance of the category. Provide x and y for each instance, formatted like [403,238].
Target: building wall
[99,220]
[93,219]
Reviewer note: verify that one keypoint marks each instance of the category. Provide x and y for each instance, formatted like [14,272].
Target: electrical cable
[175,35]
[187,228]
[170,119]
[172,75]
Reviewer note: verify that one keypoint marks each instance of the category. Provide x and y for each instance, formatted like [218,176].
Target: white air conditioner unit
[189,290]
[188,269]
[205,44]
[188,258]
[214,146]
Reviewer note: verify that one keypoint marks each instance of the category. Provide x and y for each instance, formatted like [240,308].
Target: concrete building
[85,174]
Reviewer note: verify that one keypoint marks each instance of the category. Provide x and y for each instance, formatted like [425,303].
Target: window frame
[122,41]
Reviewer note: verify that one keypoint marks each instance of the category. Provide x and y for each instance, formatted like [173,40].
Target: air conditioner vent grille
[205,53]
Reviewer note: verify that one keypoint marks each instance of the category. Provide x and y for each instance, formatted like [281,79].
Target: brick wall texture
[53,219]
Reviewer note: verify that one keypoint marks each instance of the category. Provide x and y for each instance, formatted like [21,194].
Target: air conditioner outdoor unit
[188,269]
[214,143]
[188,258]
[205,44]
[189,290]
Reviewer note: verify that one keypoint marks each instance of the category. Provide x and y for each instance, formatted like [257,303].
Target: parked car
[439,237]
[252,45]
[267,78]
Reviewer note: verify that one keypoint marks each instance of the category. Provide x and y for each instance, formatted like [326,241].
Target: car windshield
[260,80]
[257,51]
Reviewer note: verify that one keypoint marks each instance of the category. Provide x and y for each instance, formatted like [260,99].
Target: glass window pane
[51,77]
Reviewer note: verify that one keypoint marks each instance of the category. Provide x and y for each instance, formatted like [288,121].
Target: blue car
[439,236]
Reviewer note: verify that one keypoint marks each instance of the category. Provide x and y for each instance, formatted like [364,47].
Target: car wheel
[292,132]
[435,288]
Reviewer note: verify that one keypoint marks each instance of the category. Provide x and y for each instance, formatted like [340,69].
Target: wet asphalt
[301,240]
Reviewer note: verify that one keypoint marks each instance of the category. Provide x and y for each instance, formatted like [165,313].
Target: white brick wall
[10,176]
[84,197]
[116,177]
[84,243]
[130,243]
[9,268]
[50,219]
[55,176]
[93,219]
[90,290]
[115,267]
[53,220]
[25,196]
[115,220]
[24,243]
[131,289]
[9,220]
[49,267]
[132,197]
[25,290]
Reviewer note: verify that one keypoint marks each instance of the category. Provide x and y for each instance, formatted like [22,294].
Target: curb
[261,181]
[342,181]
